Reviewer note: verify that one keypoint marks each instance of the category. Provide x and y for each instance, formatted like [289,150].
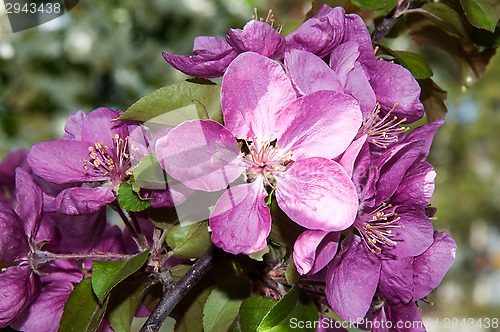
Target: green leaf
[190,241]
[82,312]
[223,304]
[291,274]
[483,14]
[148,174]
[174,104]
[445,17]
[189,312]
[106,275]
[253,310]
[295,304]
[433,97]
[178,271]
[124,301]
[470,60]
[415,63]
[375,4]
[130,200]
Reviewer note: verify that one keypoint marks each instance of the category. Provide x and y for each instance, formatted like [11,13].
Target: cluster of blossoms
[316,120]
[312,122]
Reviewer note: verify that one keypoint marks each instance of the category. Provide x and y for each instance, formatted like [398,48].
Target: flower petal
[358,86]
[73,126]
[343,60]
[402,312]
[98,126]
[323,124]
[430,267]
[46,312]
[241,220]
[61,161]
[317,193]
[29,198]
[313,250]
[405,93]
[202,154]
[352,280]
[396,279]
[392,166]
[310,73]
[415,236]
[83,200]
[257,36]
[319,34]
[416,188]
[255,89]
[212,56]
[18,288]
[13,240]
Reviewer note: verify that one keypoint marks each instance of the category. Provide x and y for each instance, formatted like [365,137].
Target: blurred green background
[108,53]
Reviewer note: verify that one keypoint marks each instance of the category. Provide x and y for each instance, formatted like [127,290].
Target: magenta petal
[352,280]
[343,60]
[392,167]
[256,36]
[357,31]
[430,267]
[83,200]
[396,280]
[323,124]
[99,126]
[29,198]
[416,188]
[18,288]
[406,94]
[319,34]
[45,313]
[415,236]
[79,234]
[13,240]
[358,86]
[202,154]
[403,312]
[317,193]
[313,250]
[212,56]
[61,161]
[241,220]
[73,126]
[255,89]
[351,154]
[310,73]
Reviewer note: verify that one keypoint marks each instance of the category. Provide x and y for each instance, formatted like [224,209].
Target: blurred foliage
[108,53]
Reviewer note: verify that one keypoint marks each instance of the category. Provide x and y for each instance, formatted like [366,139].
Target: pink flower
[280,143]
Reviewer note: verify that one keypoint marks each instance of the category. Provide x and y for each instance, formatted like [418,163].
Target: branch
[174,295]
[383,28]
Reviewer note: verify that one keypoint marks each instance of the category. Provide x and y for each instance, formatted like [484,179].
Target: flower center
[383,131]
[264,160]
[113,163]
[377,227]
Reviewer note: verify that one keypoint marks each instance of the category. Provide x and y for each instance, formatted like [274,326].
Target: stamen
[263,159]
[113,163]
[384,131]
[377,228]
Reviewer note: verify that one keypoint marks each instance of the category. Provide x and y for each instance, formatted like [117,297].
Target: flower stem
[383,28]
[138,240]
[44,257]
[173,295]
